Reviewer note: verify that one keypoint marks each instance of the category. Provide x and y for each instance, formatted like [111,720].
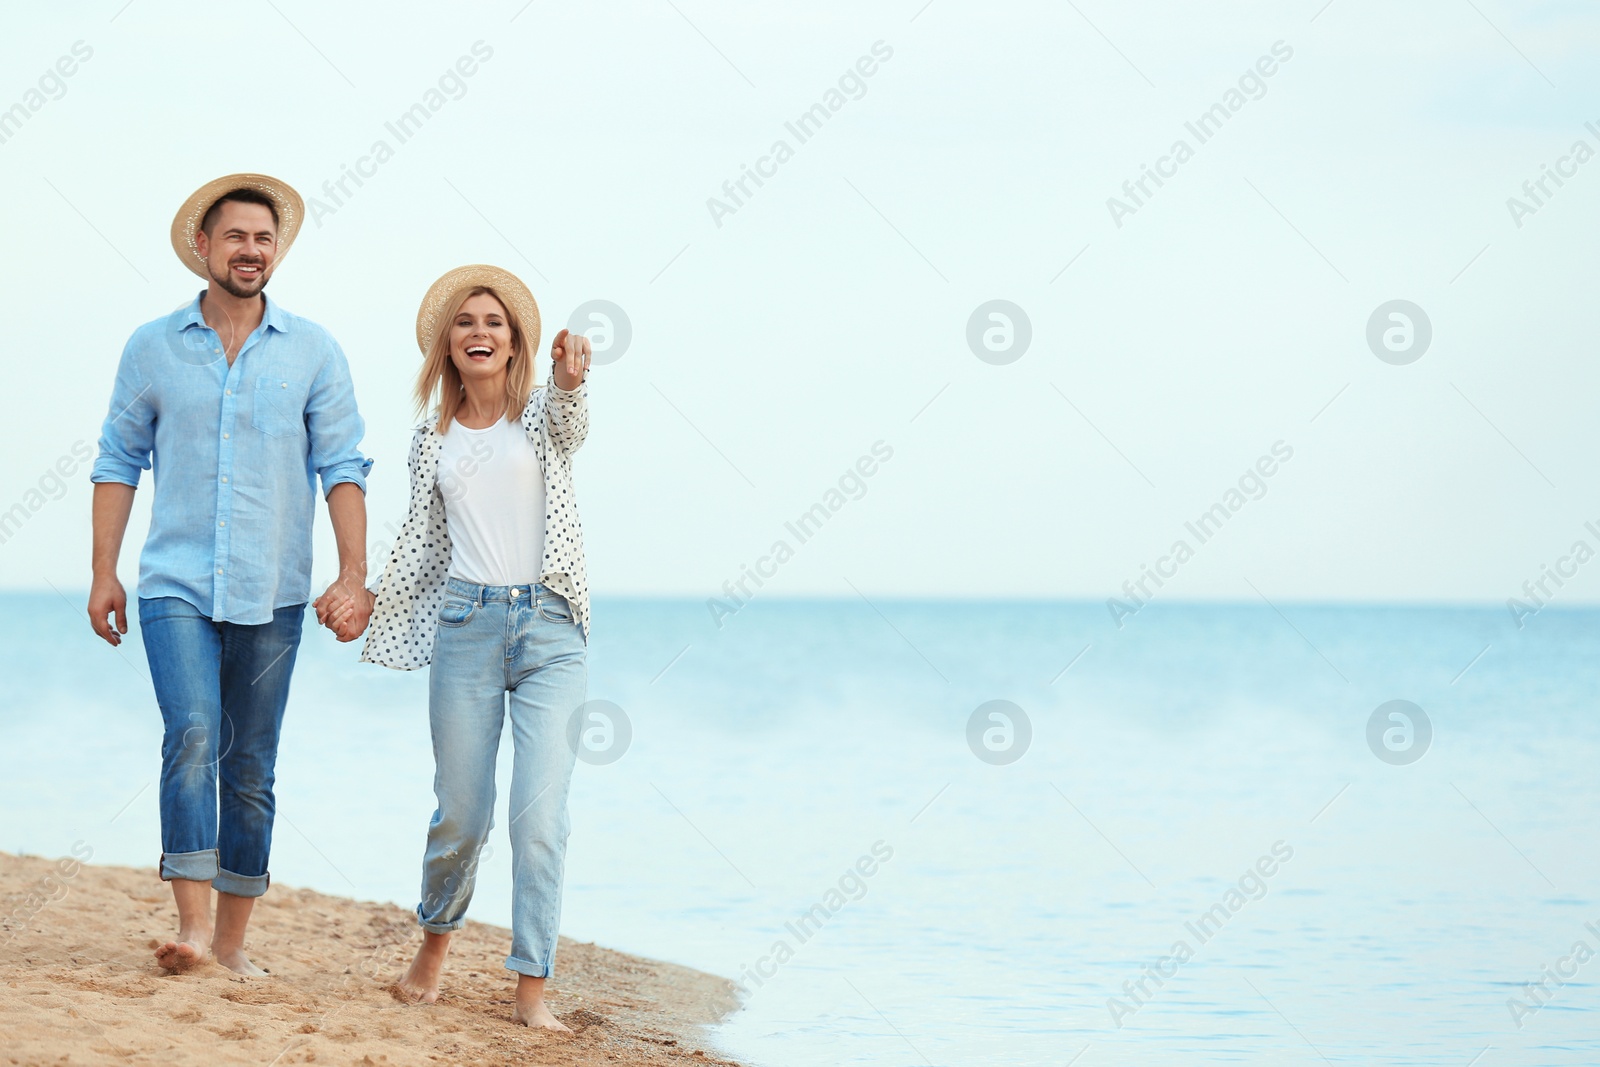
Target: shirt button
[224,437]
[228,392]
[224,522]
[224,478]
[285,385]
[218,351]
[219,570]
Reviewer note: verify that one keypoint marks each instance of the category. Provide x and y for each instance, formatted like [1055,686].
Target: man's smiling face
[240,248]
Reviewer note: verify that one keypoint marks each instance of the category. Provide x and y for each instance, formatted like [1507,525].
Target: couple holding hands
[239,407]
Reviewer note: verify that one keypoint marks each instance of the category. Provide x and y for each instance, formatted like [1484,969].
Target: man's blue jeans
[496,645]
[222,688]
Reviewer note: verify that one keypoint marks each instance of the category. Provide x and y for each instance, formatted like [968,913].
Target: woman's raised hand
[571,353]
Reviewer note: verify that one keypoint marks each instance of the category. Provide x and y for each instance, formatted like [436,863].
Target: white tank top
[493,489]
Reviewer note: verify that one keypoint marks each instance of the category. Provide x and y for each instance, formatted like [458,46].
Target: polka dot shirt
[410,590]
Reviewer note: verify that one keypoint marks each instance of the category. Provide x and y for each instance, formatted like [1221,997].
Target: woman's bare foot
[531,1010]
[185,953]
[421,981]
[237,962]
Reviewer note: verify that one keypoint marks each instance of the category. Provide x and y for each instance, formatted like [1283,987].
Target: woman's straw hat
[291,212]
[518,301]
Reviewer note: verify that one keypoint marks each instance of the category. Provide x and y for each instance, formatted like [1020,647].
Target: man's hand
[105,598]
[344,611]
[571,353]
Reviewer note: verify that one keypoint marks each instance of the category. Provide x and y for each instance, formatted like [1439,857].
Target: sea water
[1207,836]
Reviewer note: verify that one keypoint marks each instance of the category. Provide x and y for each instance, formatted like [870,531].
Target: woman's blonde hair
[439,375]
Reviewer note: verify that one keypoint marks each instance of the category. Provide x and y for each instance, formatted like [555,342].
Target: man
[238,407]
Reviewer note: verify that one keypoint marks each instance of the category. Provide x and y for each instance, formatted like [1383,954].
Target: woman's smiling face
[480,338]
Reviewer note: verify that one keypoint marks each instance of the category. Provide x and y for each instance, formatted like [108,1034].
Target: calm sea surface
[1199,856]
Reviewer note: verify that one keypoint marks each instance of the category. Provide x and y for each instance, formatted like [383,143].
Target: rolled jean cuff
[438,928]
[532,970]
[191,866]
[241,885]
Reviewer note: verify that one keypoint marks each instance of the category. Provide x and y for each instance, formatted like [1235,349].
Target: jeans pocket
[456,610]
[280,407]
[553,607]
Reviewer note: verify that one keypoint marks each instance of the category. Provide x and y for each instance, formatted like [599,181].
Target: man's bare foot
[421,981]
[184,954]
[237,962]
[227,945]
[188,950]
[531,1009]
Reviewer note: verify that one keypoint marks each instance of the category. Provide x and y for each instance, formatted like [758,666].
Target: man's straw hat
[291,212]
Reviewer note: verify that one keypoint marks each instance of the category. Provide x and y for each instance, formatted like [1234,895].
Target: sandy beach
[79,985]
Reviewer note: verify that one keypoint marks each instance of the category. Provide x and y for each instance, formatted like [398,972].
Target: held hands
[571,353]
[345,610]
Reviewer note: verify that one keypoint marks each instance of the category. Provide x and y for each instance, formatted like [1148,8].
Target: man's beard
[243,292]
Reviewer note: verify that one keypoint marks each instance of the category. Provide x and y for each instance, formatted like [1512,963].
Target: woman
[486,586]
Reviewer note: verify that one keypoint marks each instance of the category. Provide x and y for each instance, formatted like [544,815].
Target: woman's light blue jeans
[493,641]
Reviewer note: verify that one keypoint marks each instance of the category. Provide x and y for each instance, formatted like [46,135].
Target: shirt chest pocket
[280,408]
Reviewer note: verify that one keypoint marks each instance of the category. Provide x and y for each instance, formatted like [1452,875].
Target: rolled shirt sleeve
[335,425]
[128,434]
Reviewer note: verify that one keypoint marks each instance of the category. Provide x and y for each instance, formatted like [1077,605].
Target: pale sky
[830,310]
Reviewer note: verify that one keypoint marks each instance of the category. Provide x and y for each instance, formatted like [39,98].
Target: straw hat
[291,212]
[516,296]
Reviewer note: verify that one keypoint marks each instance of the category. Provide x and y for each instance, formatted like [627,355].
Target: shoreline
[79,983]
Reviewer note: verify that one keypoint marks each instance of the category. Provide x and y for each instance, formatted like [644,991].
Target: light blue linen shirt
[235,453]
